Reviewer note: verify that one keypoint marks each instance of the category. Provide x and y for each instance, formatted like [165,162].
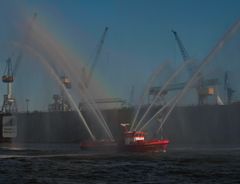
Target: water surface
[68,164]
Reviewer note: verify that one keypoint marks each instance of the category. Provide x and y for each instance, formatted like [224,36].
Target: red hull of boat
[147,146]
[143,146]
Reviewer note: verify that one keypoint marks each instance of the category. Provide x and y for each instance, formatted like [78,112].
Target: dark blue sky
[139,37]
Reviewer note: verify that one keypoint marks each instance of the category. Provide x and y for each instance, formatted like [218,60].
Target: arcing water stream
[219,46]
[56,77]
[150,82]
[52,55]
[172,77]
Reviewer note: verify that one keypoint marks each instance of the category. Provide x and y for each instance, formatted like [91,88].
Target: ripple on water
[172,167]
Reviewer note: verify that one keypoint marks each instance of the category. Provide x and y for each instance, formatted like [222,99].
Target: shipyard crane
[9,102]
[227,88]
[204,87]
[184,53]
[68,85]
[66,82]
[87,76]
[60,102]
[96,57]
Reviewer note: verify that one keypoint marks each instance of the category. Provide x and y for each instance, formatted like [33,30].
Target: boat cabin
[134,137]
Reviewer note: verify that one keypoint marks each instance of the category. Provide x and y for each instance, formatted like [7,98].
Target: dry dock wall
[187,126]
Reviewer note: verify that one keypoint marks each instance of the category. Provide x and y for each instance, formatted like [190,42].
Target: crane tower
[9,102]
[60,100]
[203,90]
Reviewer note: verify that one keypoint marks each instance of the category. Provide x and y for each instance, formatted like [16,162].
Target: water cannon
[125,126]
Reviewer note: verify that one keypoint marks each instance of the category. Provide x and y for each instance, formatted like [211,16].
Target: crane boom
[183,51]
[99,49]
[204,87]
[192,66]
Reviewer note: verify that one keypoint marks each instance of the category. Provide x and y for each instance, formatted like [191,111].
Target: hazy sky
[139,36]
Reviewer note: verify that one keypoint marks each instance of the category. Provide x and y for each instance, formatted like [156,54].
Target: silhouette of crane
[227,88]
[184,53]
[203,86]
[96,57]
[9,102]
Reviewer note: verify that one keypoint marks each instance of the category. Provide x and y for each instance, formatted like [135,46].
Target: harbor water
[65,164]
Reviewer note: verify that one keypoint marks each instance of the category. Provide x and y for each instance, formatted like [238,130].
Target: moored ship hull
[192,126]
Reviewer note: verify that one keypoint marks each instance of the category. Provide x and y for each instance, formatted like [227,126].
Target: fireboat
[133,141]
